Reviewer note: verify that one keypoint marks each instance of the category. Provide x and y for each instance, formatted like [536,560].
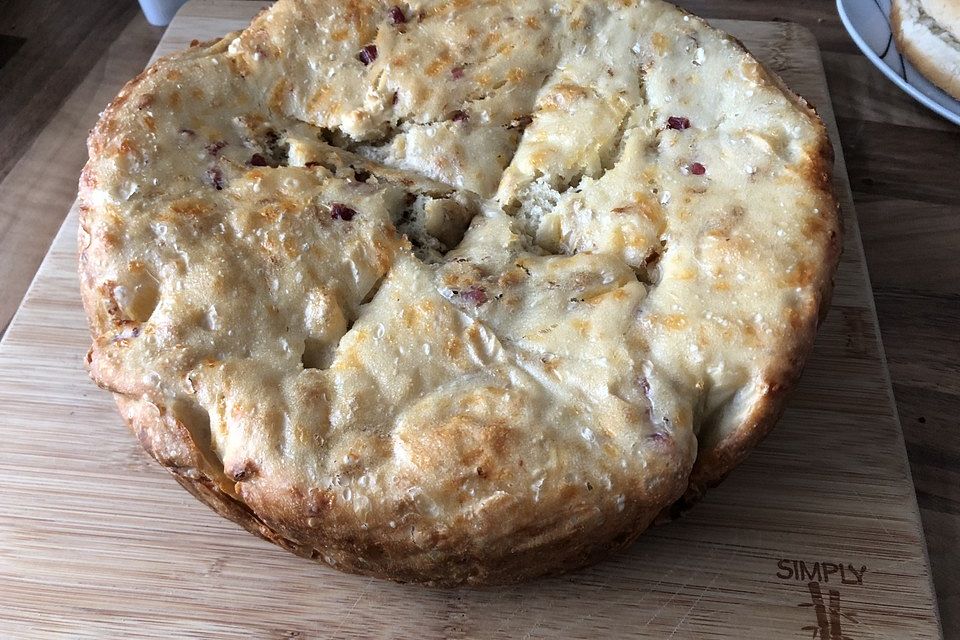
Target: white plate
[868,22]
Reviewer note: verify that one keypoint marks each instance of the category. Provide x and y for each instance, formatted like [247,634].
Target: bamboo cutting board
[817,535]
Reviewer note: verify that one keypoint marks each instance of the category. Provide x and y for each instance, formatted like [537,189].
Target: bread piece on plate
[455,292]
[928,34]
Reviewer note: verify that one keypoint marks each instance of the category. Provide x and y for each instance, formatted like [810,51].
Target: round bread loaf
[455,292]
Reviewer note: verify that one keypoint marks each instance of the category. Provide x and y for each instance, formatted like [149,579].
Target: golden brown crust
[462,336]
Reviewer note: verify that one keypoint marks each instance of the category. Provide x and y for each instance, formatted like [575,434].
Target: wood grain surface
[96,541]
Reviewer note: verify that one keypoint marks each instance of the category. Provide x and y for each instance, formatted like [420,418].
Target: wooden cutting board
[817,535]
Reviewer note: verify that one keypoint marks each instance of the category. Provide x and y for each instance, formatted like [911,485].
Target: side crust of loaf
[560,547]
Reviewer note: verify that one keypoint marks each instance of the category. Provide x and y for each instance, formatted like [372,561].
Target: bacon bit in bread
[697,169]
[456,72]
[659,437]
[396,15]
[678,123]
[368,54]
[257,160]
[214,147]
[340,211]
[215,178]
[460,116]
[474,295]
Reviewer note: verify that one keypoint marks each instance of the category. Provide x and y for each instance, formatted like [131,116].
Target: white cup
[160,12]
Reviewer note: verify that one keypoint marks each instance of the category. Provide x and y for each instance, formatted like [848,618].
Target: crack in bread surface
[467,317]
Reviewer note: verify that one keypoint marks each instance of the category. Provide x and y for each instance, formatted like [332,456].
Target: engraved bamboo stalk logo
[828,627]
[829,615]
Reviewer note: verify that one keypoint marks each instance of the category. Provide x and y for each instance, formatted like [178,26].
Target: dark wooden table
[61,61]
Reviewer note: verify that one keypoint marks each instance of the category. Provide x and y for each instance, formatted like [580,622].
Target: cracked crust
[462,336]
